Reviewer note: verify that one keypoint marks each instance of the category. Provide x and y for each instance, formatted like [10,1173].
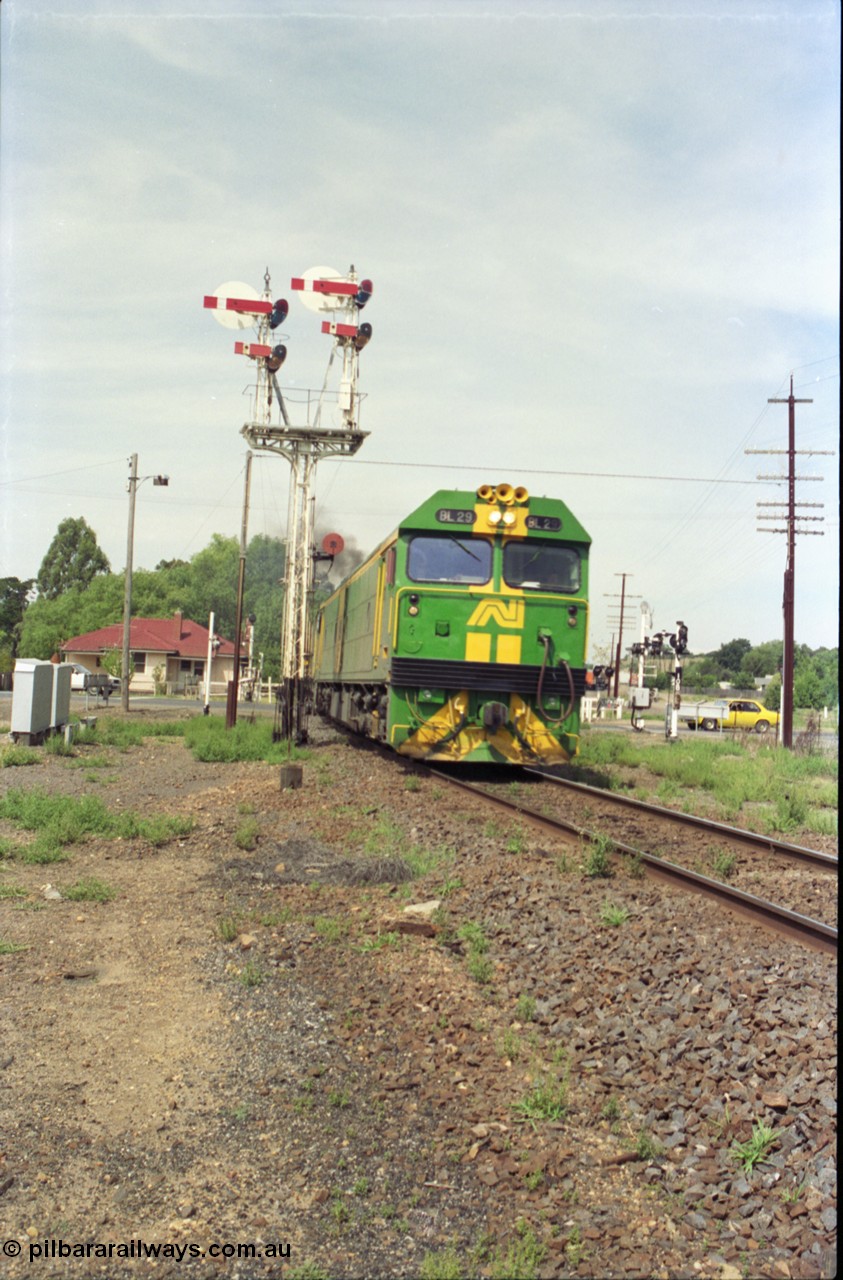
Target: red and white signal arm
[253,349]
[236,305]
[332,544]
[324,289]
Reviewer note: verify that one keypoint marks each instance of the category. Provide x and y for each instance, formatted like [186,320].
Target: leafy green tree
[74,558]
[14,594]
[808,689]
[729,657]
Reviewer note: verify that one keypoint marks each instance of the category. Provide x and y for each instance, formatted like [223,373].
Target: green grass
[88,889]
[11,891]
[441,1266]
[246,836]
[598,861]
[207,738]
[754,1151]
[522,1259]
[735,772]
[547,1100]
[14,757]
[10,948]
[613,915]
[66,820]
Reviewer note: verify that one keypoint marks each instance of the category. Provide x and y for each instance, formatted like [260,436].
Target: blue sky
[601,237]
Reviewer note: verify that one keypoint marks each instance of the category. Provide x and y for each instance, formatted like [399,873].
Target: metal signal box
[32,700]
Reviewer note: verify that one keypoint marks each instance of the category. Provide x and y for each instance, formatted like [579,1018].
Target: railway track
[795,924]
[734,835]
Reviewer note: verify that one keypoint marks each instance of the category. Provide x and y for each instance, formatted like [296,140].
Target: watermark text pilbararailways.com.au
[136,1248]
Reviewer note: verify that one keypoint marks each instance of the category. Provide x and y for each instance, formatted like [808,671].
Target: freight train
[463,636]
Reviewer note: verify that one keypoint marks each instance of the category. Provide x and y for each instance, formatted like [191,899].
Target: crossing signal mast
[327,425]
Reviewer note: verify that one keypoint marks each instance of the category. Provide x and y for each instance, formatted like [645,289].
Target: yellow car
[746,713]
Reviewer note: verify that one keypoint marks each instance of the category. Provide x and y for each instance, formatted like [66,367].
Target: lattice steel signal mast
[302,443]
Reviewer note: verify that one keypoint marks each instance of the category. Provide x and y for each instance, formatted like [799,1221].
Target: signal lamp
[279,313]
[364,293]
[165,480]
[364,333]
[275,361]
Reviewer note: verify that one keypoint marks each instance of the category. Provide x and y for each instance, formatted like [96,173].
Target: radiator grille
[499,677]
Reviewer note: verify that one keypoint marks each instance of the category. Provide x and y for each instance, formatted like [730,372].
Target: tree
[73,559]
[13,602]
[729,657]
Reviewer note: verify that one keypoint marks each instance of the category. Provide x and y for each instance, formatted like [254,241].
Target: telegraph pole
[132,486]
[790,530]
[623,598]
[234,685]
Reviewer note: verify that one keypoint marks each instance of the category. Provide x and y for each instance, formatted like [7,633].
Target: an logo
[506,613]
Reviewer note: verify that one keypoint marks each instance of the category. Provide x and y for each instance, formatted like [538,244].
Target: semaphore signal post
[308,426]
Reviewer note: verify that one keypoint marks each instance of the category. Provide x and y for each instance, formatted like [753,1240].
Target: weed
[564,865]
[480,968]
[646,1147]
[612,915]
[534,1180]
[63,820]
[791,811]
[548,1100]
[245,808]
[306,1271]
[790,1195]
[271,919]
[412,783]
[361,1187]
[379,941]
[11,891]
[509,1045]
[635,866]
[611,1109]
[473,934]
[522,1259]
[724,864]
[9,948]
[598,863]
[449,886]
[55,745]
[517,842]
[339,1098]
[574,1247]
[251,974]
[441,1266]
[330,928]
[227,928]
[246,836]
[525,1009]
[209,740]
[14,757]
[89,889]
[754,1150]
[492,829]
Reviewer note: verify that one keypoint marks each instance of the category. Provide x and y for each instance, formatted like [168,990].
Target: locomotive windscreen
[449,559]
[541,566]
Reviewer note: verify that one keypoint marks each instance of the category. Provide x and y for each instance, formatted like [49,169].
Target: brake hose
[547,641]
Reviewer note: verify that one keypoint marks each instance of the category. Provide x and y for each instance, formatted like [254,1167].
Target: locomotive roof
[424,516]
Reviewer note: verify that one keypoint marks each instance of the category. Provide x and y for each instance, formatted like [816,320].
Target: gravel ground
[254,1043]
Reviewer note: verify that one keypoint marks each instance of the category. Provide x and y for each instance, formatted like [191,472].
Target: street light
[134,481]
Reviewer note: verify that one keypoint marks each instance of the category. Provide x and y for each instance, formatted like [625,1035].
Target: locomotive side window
[449,558]
[541,566]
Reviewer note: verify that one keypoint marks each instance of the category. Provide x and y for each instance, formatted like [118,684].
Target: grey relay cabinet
[40,700]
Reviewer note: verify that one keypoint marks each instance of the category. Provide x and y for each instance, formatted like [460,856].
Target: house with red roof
[175,647]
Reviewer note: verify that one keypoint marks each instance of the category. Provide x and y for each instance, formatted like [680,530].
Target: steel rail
[812,933]
[736,834]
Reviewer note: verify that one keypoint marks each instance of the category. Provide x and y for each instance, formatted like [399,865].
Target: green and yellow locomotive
[462,638]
